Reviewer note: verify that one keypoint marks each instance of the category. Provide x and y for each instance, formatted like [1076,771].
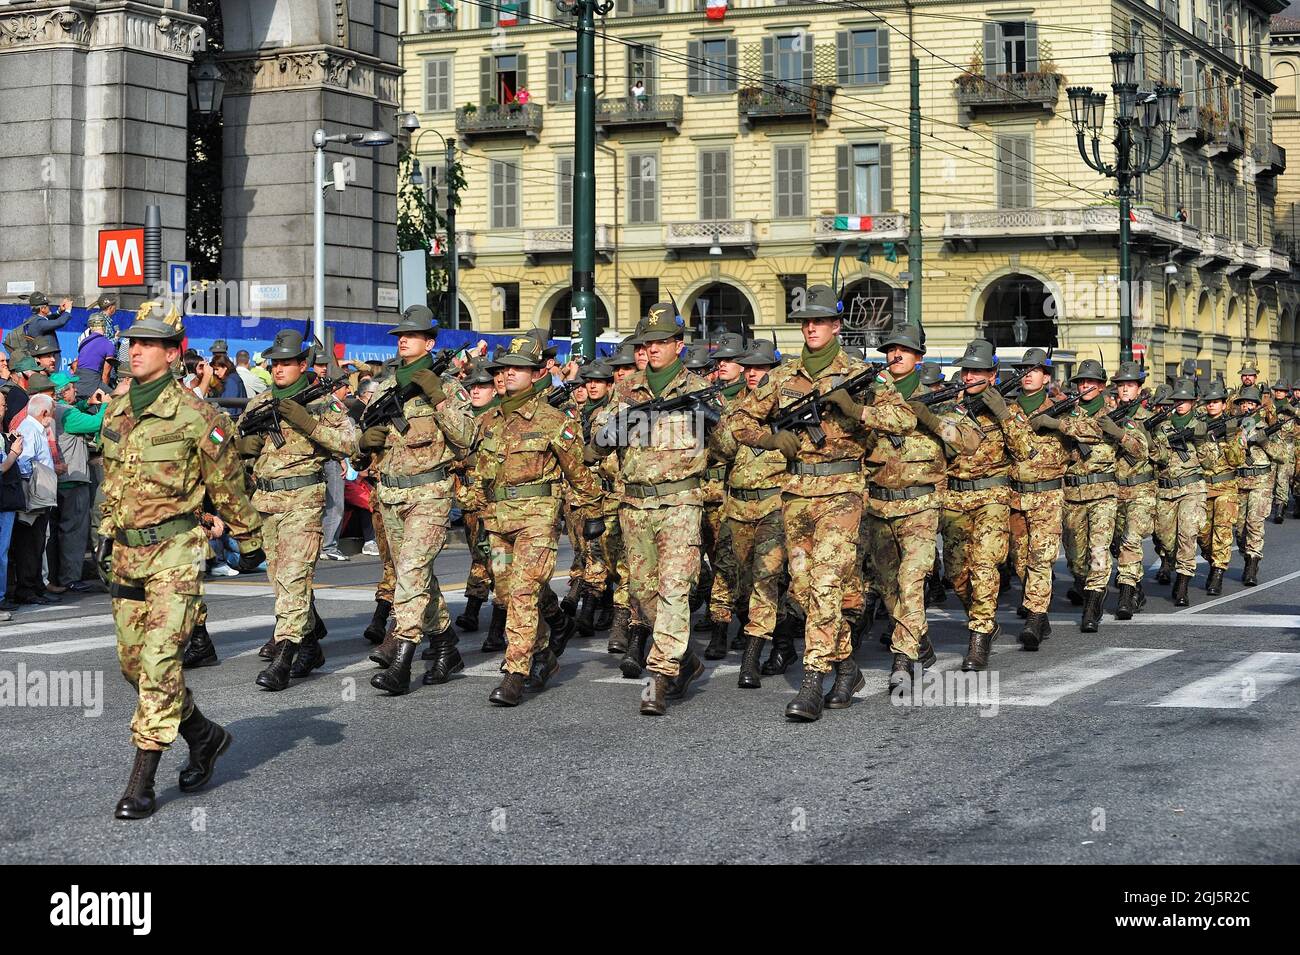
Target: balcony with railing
[1276,261]
[1063,227]
[1228,141]
[1195,126]
[512,119]
[1005,91]
[631,112]
[779,102]
[556,243]
[466,248]
[883,227]
[702,235]
[435,20]
[1270,160]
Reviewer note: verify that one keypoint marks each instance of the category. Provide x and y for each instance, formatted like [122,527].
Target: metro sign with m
[121,258]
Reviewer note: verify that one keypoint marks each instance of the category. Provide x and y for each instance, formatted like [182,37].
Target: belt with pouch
[145,536]
[403,481]
[515,492]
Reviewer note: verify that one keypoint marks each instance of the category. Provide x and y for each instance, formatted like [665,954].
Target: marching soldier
[1254,482]
[936,591]
[480,382]
[1221,454]
[163,451]
[290,497]
[1180,485]
[602,601]
[976,517]
[415,490]
[662,464]
[1135,478]
[821,506]
[523,448]
[377,630]
[1281,449]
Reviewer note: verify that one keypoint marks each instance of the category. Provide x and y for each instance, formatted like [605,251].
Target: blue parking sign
[178,277]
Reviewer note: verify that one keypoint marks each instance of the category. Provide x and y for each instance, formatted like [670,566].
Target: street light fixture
[206,88]
[320,139]
[451,299]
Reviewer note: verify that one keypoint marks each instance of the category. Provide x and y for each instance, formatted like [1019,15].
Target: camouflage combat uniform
[1181,495]
[1135,514]
[157,470]
[1254,487]
[1037,501]
[1281,449]
[1220,458]
[1090,498]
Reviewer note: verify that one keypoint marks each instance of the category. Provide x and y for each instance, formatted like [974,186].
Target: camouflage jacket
[845,440]
[1131,466]
[1048,451]
[1101,457]
[715,483]
[1255,455]
[434,439]
[1174,465]
[532,445]
[159,468]
[606,469]
[1281,443]
[748,469]
[1003,443]
[1220,456]
[669,449]
[301,456]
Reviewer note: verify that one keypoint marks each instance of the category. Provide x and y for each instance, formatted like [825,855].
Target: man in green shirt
[76,425]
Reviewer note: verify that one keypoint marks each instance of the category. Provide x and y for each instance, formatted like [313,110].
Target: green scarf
[406,372]
[1182,420]
[732,390]
[542,385]
[591,407]
[658,380]
[1031,403]
[1093,406]
[815,362]
[512,403]
[486,408]
[300,385]
[142,395]
[908,384]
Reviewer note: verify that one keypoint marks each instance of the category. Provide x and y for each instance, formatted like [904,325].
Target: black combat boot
[510,691]
[654,701]
[1166,568]
[207,741]
[1214,583]
[1092,608]
[383,654]
[378,627]
[808,702]
[638,645]
[447,659]
[977,650]
[268,649]
[1180,590]
[783,652]
[604,610]
[717,648]
[495,641]
[1076,593]
[1250,576]
[618,630]
[395,679]
[739,641]
[750,663]
[543,668]
[691,668]
[310,655]
[138,800]
[569,604]
[562,630]
[848,680]
[1276,514]
[1141,596]
[276,676]
[1034,631]
[584,621]
[1127,602]
[199,652]
[925,654]
[935,592]
[1295,507]
[468,619]
[901,672]
[1022,611]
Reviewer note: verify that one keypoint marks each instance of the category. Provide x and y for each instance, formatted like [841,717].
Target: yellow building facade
[737,156]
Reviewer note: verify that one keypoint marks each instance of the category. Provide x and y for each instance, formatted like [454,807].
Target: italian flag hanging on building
[715,9]
[853,223]
[509,15]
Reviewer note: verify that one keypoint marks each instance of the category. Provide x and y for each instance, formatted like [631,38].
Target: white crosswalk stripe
[1239,685]
[1044,687]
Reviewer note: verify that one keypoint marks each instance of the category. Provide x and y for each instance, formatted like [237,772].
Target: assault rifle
[386,407]
[265,418]
[558,395]
[806,411]
[946,393]
[695,402]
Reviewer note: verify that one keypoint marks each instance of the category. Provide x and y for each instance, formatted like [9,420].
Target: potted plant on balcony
[469,109]
[1208,117]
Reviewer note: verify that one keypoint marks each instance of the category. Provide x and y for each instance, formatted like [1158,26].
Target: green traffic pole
[1125,270]
[914,198]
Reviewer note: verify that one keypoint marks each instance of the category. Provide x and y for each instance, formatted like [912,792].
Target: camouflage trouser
[1283,472]
[1254,501]
[902,550]
[821,540]
[1178,524]
[622,596]
[1089,527]
[417,533]
[201,616]
[754,552]
[523,560]
[151,631]
[1216,529]
[388,582]
[975,547]
[710,532]
[292,541]
[615,558]
[478,582]
[1135,521]
[663,561]
[1035,542]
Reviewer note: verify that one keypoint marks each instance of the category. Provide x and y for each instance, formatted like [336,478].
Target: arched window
[725,309]
[1019,311]
[562,324]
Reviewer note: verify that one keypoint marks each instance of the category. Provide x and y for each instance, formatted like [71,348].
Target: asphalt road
[1171,738]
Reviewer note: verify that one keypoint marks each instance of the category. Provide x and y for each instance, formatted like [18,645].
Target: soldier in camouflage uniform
[163,451]
[1180,485]
[480,382]
[377,630]
[1135,480]
[415,490]
[662,461]
[821,506]
[623,363]
[1220,458]
[936,585]
[599,572]
[753,535]
[1037,497]
[1254,482]
[1281,449]
[976,515]
[523,447]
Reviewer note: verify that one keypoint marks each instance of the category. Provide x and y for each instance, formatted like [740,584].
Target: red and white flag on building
[715,9]
[508,15]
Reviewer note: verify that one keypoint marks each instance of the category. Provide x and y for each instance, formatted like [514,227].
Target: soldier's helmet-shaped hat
[156,320]
[820,301]
[1215,391]
[1184,390]
[1281,385]
[525,351]
[1129,371]
[1247,393]
[931,374]
[288,346]
[477,374]
[761,354]
[978,356]
[416,319]
[729,345]
[598,370]
[1250,369]
[45,345]
[662,323]
[1089,370]
[625,357]
[1033,358]
[905,336]
[696,357]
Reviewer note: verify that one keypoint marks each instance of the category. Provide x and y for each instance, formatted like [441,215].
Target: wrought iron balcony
[701,235]
[628,112]
[1229,140]
[512,119]
[785,103]
[885,227]
[1270,159]
[1195,126]
[1006,91]
[557,243]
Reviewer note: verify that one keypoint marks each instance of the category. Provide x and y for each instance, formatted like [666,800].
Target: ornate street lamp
[206,88]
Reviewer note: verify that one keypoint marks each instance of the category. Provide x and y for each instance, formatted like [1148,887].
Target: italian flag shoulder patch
[217,436]
[568,433]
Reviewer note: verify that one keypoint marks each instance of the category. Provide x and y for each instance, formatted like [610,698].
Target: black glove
[250,561]
[298,416]
[374,438]
[430,384]
[104,559]
[593,528]
[787,442]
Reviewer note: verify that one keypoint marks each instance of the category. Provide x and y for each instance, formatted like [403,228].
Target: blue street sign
[178,277]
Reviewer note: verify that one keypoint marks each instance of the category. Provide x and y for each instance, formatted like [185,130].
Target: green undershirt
[1182,420]
[658,380]
[815,362]
[406,372]
[142,395]
[732,390]
[908,384]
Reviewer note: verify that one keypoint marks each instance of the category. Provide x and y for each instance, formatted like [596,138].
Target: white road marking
[1244,593]
[1045,687]
[51,626]
[1239,685]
